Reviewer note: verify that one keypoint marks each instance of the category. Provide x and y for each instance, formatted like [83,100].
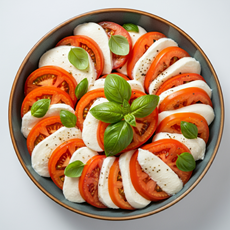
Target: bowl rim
[127,10]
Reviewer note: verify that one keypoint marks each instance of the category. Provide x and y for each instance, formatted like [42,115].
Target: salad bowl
[151,23]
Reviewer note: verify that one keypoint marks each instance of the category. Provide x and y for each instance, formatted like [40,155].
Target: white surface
[23,205]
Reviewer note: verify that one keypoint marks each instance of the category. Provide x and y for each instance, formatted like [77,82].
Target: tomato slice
[41,130]
[184,97]
[120,74]
[90,46]
[163,60]
[85,103]
[178,80]
[46,92]
[171,124]
[112,28]
[141,133]
[88,182]
[116,190]
[140,47]
[60,159]
[51,76]
[168,151]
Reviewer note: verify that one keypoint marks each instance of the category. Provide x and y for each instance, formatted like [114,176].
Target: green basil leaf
[130,119]
[68,119]
[74,169]
[119,45]
[117,137]
[109,112]
[78,57]
[126,107]
[185,162]
[81,88]
[144,105]
[116,89]
[130,27]
[189,130]
[40,108]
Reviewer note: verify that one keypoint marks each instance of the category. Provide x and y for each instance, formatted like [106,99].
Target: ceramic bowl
[150,23]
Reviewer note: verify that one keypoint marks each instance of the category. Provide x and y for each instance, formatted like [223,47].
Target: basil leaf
[189,130]
[185,162]
[109,112]
[74,169]
[68,119]
[78,57]
[116,89]
[130,119]
[40,108]
[126,107]
[131,27]
[119,45]
[81,88]
[144,105]
[117,137]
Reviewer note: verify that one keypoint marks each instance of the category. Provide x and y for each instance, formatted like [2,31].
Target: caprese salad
[116,116]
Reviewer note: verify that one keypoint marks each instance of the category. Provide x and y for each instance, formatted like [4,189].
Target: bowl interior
[150,23]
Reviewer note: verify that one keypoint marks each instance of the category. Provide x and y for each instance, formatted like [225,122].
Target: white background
[22,204]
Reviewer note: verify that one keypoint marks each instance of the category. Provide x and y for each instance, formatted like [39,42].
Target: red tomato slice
[89,45]
[120,74]
[85,103]
[112,28]
[116,190]
[145,127]
[46,92]
[41,130]
[88,182]
[51,76]
[60,159]
[168,151]
[178,80]
[140,47]
[171,124]
[163,60]
[183,98]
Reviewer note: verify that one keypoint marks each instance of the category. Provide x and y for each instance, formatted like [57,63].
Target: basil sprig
[189,130]
[81,88]
[130,119]
[68,119]
[130,27]
[185,162]
[78,57]
[119,45]
[40,108]
[74,169]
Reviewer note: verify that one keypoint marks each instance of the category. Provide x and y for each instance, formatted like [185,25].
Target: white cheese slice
[71,184]
[58,56]
[103,188]
[196,146]
[132,196]
[183,65]
[142,65]
[97,33]
[42,151]
[29,121]
[160,172]
[89,131]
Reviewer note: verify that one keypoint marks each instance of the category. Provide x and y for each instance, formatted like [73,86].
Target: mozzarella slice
[198,84]
[29,121]
[183,65]
[197,146]
[97,33]
[142,66]
[89,131]
[43,150]
[160,172]
[205,111]
[132,196]
[103,189]
[71,184]
[98,84]
[58,56]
